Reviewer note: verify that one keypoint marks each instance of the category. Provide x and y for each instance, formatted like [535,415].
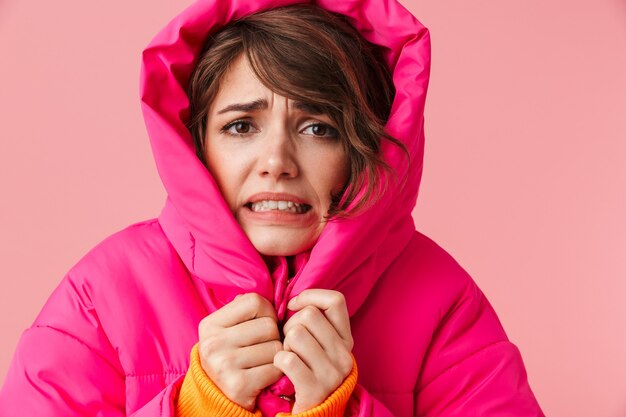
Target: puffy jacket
[115,337]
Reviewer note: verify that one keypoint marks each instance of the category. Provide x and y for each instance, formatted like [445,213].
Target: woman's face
[275,160]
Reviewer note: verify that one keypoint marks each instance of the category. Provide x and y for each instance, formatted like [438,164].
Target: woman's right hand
[237,345]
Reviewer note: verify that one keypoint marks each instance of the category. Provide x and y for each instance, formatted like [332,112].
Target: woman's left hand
[317,346]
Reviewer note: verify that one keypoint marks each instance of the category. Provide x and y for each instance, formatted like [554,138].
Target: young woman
[284,274]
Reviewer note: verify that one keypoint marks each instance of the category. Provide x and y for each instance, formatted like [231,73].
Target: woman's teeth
[290,206]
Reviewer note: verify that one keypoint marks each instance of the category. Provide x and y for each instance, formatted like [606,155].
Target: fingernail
[291,303]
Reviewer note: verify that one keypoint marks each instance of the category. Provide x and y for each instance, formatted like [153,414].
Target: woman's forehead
[242,91]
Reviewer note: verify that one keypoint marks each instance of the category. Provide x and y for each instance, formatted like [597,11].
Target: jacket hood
[349,255]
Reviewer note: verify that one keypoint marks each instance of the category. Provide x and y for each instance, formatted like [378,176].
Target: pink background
[524,181]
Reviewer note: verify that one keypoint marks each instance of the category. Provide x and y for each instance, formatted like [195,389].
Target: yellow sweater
[199,396]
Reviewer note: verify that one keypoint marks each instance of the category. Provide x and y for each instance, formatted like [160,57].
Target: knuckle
[202,349]
[350,344]
[295,334]
[233,387]
[271,329]
[275,373]
[334,379]
[254,301]
[345,363]
[209,346]
[204,363]
[291,359]
[249,404]
[204,327]
[278,359]
[286,359]
[288,338]
[277,346]
[310,314]
[247,383]
[338,298]
[216,365]
[291,322]
[227,359]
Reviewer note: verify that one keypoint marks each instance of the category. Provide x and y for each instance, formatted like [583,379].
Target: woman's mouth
[278,206]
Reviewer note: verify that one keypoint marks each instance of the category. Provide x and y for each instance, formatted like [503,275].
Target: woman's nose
[277,158]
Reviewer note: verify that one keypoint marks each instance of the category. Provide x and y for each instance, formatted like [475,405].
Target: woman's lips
[279,217]
[279,208]
[268,195]
[282,205]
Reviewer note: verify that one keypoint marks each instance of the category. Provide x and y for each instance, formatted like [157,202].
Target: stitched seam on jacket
[456,364]
[39,326]
[148,374]
[193,251]
[390,392]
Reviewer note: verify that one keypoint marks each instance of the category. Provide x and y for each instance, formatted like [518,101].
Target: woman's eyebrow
[258,104]
[261,104]
[308,108]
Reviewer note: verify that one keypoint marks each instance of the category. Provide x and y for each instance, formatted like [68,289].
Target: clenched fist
[316,353]
[237,346]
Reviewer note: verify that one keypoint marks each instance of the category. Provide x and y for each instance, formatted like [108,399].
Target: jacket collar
[350,255]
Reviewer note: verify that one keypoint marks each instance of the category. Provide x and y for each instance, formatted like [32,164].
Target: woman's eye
[321,129]
[239,127]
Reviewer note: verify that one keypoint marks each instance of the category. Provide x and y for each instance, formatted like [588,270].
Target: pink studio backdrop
[524,181]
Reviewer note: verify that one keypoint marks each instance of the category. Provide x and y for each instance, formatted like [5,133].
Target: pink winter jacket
[115,336]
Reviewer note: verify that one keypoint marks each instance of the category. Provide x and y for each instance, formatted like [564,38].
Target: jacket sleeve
[363,404]
[470,369]
[64,366]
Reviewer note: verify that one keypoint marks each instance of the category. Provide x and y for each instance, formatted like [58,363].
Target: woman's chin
[271,241]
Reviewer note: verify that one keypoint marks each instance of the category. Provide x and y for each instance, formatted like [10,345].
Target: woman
[285,214]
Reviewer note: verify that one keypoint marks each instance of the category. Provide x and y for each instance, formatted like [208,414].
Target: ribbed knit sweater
[199,396]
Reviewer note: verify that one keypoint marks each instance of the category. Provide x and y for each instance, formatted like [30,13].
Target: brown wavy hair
[308,54]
